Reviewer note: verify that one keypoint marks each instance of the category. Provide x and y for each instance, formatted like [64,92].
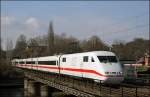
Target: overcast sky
[110,20]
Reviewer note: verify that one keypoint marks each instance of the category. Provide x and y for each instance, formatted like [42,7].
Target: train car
[95,65]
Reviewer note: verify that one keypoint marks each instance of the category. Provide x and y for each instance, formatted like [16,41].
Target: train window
[30,62]
[113,72]
[21,62]
[85,59]
[64,60]
[106,59]
[47,62]
[92,59]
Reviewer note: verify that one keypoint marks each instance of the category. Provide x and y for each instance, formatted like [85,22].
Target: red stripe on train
[70,69]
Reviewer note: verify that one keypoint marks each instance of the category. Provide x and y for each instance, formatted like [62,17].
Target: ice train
[95,65]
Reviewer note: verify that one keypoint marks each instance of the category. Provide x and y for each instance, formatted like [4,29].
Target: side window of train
[92,59]
[47,62]
[63,59]
[30,62]
[21,62]
[85,59]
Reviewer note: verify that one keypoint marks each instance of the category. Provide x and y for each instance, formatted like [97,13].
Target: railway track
[96,89]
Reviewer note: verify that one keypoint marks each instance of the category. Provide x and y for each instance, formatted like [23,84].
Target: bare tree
[94,43]
[9,49]
[20,47]
[34,49]
[131,50]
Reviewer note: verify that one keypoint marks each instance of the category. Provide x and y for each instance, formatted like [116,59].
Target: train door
[88,65]
[59,63]
[81,64]
[32,64]
[93,66]
[85,65]
[76,64]
[36,64]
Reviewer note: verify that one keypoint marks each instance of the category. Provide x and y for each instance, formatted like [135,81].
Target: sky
[110,20]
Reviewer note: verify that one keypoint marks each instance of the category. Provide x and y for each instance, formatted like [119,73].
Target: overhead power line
[129,29]
[129,19]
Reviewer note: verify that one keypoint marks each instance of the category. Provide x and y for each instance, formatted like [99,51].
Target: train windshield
[106,59]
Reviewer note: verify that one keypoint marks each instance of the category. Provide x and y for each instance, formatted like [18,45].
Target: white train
[96,65]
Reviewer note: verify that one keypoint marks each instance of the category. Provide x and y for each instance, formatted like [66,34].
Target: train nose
[114,80]
[114,77]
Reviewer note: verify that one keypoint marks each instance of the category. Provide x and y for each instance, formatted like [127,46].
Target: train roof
[95,52]
[102,53]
